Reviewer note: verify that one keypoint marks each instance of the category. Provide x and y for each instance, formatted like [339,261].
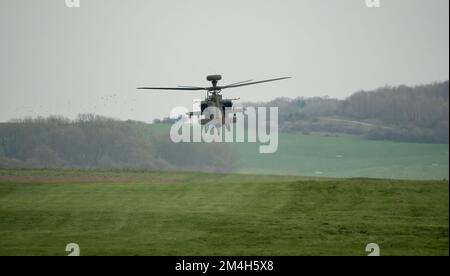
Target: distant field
[341,156]
[151,213]
[346,156]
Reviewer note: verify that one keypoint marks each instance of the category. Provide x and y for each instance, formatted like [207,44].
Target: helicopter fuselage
[215,108]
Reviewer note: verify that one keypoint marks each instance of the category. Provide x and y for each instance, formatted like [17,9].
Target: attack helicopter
[214,106]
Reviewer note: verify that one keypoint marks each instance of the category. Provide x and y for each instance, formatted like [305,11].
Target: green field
[346,156]
[153,213]
[340,156]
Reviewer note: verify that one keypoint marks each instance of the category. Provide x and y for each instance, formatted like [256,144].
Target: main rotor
[214,89]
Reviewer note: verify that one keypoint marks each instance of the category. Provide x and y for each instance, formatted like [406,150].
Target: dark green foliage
[93,141]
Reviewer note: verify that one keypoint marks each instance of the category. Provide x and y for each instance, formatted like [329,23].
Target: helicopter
[214,106]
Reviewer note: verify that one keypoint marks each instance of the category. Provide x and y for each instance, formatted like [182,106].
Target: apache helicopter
[214,101]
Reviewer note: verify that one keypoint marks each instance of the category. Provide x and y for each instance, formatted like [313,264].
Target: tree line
[402,113]
[93,141]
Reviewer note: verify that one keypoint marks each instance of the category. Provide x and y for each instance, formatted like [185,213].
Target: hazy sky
[59,60]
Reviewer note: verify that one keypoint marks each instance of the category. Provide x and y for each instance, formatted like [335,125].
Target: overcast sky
[59,60]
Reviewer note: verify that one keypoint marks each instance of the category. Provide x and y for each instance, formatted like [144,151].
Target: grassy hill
[346,156]
[152,213]
[402,113]
[340,156]
[103,143]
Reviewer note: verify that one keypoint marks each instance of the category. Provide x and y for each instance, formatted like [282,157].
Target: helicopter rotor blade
[236,83]
[173,88]
[188,86]
[251,83]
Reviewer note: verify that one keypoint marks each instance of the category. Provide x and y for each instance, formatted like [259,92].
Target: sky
[56,60]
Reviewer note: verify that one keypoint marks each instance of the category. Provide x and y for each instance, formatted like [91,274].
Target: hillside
[93,141]
[110,144]
[392,132]
[346,156]
[409,114]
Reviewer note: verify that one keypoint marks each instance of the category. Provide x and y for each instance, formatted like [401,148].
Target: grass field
[346,156]
[340,156]
[153,213]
